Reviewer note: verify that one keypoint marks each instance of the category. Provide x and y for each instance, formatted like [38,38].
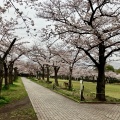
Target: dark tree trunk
[47,66]
[8,50]
[15,73]
[100,95]
[10,77]
[38,75]
[1,80]
[1,74]
[11,73]
[101,84]
[70,79]
[43,73]
[6,76]
[56,69]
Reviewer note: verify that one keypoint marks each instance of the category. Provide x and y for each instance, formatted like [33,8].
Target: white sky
[116,64]
[39,24]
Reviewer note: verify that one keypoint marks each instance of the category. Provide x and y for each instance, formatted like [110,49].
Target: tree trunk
[101,84]
[100,95]
[43,73]
[11,73]
[8,50]
[70,79]
[6,76]
[1,79]
[1,74]
[47,73]
[15,73]
[10,77]
[37,76]
[56,69]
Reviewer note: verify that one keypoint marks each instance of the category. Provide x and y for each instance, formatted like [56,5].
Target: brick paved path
[52,106]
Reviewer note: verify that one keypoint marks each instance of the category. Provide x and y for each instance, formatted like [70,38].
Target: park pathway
[52,106]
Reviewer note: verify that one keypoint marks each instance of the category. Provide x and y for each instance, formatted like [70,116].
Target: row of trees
[60,61]
[91,27]
[11,46]
[111,68]
[86,31]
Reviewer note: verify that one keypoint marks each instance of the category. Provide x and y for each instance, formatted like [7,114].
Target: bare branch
[112,51]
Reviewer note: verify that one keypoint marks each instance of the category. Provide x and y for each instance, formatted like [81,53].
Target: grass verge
[112,91]
[15,104]
[16,92]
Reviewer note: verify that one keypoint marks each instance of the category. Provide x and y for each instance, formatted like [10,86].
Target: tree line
[82,33]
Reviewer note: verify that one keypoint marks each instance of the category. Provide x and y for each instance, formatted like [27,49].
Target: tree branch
[94,11]
[76,57]
[112,51]
[91,5]
[8,50]
[89,55]
[112,44]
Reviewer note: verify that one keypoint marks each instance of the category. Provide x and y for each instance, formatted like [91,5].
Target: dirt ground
[18,110]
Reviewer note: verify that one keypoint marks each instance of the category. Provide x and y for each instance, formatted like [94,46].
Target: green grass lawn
[16,92]
[15,104]
[112,90]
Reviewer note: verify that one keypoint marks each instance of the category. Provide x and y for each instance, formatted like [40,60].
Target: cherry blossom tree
[37,55]
[17,51]
[8,46]
[3,61]
[8,27]
[42,56]
[70,56]
[90,25]
[5,31]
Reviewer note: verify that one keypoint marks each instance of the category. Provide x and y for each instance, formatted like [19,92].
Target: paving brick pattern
[52,106]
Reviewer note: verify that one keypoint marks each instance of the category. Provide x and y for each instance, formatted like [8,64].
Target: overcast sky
[39,24]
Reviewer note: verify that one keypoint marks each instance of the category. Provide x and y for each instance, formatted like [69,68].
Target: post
[81,90]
